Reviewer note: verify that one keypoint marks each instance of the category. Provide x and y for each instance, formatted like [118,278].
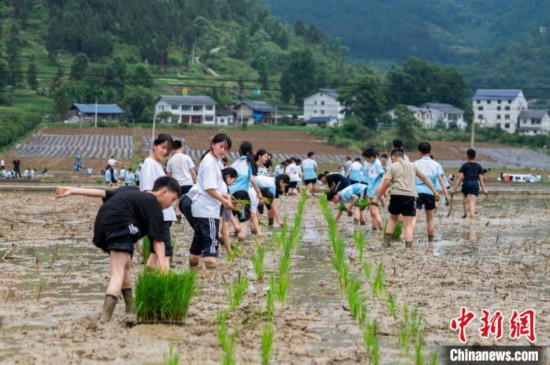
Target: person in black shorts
[126,216]
[471,176]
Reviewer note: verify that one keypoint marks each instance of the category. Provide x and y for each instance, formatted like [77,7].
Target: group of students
[210,198]
[413,187]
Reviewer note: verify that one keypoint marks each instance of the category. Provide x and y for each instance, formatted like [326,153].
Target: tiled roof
[187,100]
[101,108]
[495,94]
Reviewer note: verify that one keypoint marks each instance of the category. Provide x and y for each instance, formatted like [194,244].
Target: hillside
[444,31]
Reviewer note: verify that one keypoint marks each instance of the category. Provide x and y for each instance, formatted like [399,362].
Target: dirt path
[51,290]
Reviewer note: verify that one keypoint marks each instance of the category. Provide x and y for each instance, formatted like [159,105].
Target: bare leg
[430,223]
[226,241]
[120,263]
[473,199]
[408,230]
[152,261]
[465,205]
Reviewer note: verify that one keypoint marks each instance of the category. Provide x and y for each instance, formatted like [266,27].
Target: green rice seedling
[270,298]
[415,322]
[164,297]
[392,306]
[367,269]
[404,332]
[145,248]
[378,285]
[362,203]
[359,239]
[268,335]
[342,208]
[398,230]
[282,287]
[236,291]
[227,340]
[370,338]
[434,359]
[258,262]
[356,301]
[418,353]
[173,358]
[284,265]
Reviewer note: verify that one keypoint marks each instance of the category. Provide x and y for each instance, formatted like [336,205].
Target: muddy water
[51,287]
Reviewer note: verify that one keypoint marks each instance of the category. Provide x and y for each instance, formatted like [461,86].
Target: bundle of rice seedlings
[397,231]
[362,203]
[173,358]
[268,334]
[164,297]
[145,248]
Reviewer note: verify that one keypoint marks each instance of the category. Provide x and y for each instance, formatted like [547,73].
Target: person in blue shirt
[348,198]
[426,198]
[375,174]
[247,170]
[309,168]
[355,171]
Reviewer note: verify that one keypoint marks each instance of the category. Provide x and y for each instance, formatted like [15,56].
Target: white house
[323,107]
[437,113]
[500,107]
[251,112]
[533,122]
[188,109]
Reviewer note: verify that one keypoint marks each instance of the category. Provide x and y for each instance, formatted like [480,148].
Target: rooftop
[99,108]
[495,94]
[187,100]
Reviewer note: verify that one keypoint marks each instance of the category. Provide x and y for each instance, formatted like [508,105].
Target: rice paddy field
[314,293]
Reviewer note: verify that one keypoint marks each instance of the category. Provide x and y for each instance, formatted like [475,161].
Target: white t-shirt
[293,172]
[150,171]
[209,177]
[111,162]
[179,165]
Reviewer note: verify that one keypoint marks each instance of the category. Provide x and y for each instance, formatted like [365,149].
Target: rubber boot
[387,239]
[108,308]
[430,239]
[129,300]
[408,244]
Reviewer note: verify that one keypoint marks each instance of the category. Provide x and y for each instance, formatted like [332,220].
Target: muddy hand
[62,191]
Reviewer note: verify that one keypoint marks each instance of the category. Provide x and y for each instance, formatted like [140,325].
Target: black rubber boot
[108,308]
[129,300]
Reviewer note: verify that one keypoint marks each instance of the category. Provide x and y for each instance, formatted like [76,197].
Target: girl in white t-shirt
[150,171]
[202,206]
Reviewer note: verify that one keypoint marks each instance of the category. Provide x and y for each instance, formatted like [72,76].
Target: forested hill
[106,50]
[443,31]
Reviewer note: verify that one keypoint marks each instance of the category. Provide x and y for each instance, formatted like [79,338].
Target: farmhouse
[500,107]
[322,107]
[447,115]
[533,121]
[88,112]
[250,112]
[187,109]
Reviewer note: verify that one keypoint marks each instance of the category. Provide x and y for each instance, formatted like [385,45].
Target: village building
[79,113]
[187,109]
[499,108]
[533,122]
[323,107]
[253,112]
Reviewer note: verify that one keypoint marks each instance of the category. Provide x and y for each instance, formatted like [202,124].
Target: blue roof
[496,94]
[101,108]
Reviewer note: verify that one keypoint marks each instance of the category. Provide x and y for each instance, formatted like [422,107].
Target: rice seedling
[362,203]
[268,335]
[397,231]
[359,239]
[258,262]
[434,359]
[163,297]
[415,322]
[418,353]
[370,338]
[284,265]
[173,358]
[392,306]
[367,269]
[236,291]
[270,299]
[227,340]
[282,287]
[145,248]
[378,286]
[356,301]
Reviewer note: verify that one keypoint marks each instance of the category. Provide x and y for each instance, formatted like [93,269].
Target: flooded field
[52,283]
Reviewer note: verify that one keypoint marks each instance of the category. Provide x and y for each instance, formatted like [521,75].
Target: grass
[164,297]
[258,262]
[173,358]
[236,292]
[268,335]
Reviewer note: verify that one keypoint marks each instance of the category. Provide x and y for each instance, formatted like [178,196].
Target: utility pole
[472,135]
[276,117]
[153,131]
[95,118]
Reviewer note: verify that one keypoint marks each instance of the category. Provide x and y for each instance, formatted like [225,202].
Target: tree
[365,99]
[136,101]
[406,125]
[3,71]
[13,57]
[32,73]
[79,67]
[300,76]
[141,76]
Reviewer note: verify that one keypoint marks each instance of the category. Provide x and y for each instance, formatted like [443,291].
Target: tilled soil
[53,279]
